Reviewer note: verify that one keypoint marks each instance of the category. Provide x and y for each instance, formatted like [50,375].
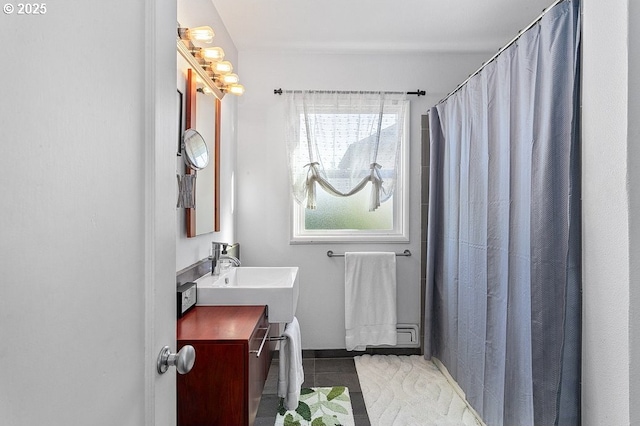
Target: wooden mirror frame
[190,122]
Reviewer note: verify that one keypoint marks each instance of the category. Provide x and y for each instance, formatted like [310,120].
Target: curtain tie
[310,184]
[376,186]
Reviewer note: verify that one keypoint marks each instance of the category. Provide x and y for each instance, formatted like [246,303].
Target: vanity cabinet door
[213,392]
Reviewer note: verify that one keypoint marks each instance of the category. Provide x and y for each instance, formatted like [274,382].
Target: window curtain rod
[280,92]
[502,49]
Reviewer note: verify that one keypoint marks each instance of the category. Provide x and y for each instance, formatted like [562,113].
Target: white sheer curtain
[343,141]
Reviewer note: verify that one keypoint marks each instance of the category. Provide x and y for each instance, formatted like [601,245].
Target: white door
[87,222]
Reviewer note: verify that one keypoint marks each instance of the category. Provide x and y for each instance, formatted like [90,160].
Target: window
[349,168]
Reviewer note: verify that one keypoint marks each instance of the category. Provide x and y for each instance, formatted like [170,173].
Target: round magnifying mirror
[196,153]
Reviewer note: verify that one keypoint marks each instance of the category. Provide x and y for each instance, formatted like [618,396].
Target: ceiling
[376,25]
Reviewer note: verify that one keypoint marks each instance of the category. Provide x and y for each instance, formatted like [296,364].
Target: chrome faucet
[234,260]
[219,251]
[216,250]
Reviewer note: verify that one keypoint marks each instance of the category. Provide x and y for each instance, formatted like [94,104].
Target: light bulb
[235,89]
[229,78]
[223,67]
[212,53]
[203,34]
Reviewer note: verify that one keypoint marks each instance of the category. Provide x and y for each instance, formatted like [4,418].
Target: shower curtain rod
[502,49]
[280,92]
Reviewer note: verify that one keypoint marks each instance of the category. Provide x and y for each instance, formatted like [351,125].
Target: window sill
[325,239]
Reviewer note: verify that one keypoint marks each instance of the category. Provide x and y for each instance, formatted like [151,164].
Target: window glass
[346,219]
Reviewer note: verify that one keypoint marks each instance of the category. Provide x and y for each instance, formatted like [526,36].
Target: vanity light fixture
[207,62]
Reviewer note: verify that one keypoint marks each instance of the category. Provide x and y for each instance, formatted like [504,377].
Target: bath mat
[319,407]
[409,390]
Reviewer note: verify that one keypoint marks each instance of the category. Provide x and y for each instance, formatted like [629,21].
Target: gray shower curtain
[503,243]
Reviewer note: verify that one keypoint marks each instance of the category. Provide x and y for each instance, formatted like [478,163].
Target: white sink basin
[276,287]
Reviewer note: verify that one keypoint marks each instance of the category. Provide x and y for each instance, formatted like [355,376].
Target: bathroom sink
[276,287]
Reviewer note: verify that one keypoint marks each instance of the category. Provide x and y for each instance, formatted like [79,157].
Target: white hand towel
[290,372]
[370,299]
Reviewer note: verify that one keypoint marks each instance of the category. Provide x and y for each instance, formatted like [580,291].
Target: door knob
[183,360]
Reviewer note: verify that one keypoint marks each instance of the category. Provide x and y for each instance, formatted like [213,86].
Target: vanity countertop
[219,323]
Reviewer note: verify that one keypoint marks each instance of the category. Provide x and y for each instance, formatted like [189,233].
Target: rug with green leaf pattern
[319,407]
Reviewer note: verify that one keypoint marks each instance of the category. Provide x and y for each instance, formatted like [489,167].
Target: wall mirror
[202,114]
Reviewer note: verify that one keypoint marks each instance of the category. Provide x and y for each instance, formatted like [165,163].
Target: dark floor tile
[269,421]
[309,380]
[335,365]
[349,380]
[273,371]
[358,420]
[357,403]
[270,386]
[309,365]
[273,374]
[268,406]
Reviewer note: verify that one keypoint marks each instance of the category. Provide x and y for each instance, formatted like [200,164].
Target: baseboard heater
[408,336]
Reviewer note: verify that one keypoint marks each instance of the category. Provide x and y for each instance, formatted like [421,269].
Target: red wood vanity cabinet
[225,385]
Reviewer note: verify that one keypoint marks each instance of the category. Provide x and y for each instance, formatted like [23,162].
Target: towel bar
[264,339]
[276,339]
[330,253]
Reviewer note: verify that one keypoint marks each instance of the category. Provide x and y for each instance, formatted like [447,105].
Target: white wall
[610,231]
[194,13]
[263,197]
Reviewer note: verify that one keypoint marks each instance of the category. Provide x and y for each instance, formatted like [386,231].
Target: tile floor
[318,372]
